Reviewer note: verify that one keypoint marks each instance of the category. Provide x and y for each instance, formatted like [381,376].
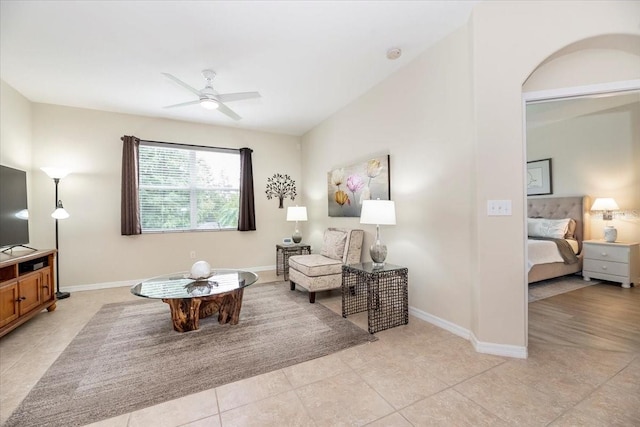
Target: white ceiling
[540,114]
[308,59]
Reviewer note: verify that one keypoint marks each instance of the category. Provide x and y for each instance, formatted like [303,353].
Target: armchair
[323,271]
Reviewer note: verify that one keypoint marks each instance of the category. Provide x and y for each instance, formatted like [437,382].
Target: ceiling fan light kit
[208,104]
[208,98]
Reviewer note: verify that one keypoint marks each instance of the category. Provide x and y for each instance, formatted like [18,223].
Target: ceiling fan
[208,98]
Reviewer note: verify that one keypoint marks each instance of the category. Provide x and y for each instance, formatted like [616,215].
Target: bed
[576,208]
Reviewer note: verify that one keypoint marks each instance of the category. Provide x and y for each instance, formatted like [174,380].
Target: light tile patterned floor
[414,375]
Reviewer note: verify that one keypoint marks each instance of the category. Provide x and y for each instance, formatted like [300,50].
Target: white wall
[91,248]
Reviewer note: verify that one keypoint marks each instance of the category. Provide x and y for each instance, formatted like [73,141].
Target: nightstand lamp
[378,212]
[606,205]
[296,213]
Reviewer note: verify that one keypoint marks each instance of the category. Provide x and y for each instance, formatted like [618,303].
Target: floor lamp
[58,213]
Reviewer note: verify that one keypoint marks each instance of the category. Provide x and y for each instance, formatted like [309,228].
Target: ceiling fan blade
[228,97]
[228,111]
[181,83]
[183,104]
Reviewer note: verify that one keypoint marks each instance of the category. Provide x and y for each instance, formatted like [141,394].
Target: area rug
[128,357]
[548,288]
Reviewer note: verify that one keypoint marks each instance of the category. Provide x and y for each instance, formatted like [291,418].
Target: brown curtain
[247,211]
[130,208]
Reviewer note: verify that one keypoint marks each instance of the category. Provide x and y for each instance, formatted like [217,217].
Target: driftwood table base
[187,312]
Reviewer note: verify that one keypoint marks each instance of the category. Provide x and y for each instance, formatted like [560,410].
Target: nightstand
[617,262]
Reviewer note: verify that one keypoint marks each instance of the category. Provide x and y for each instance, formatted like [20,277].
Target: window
[184,188]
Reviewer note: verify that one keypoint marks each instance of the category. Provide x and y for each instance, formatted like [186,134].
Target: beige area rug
[560,285]
[128,357]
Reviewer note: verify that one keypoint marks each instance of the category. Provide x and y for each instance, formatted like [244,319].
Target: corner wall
[510,40]
[452,123]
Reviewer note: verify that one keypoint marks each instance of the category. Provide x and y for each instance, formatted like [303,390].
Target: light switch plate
[499,207]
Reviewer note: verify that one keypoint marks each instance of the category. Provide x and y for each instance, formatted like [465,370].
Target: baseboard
[515,351]
[481,347]
[441,323]
[129,283]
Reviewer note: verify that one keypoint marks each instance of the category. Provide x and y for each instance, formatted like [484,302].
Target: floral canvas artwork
[348,186]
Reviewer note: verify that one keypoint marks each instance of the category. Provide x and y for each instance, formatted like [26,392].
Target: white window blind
[184,188]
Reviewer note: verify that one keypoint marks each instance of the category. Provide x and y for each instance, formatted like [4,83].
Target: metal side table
[283,252]
[381,291]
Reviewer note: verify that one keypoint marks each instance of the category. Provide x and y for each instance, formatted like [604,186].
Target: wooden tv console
[27,286]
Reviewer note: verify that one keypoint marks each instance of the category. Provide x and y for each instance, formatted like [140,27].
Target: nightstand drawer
[607,267]
[606,253]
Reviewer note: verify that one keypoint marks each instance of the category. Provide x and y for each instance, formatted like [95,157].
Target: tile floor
[414,375]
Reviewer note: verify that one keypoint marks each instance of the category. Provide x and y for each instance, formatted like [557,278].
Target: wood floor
[603,316]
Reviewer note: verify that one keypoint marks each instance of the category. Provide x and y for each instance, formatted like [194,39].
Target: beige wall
[91,248]
[452,122]
[510,41]
[421,116]
[15,134]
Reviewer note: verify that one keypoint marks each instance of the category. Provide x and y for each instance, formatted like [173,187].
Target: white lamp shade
[379,212]
[296,213]
[60,213]
[54,173]
[604,204]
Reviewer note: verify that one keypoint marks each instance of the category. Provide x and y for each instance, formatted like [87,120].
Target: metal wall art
[281,186]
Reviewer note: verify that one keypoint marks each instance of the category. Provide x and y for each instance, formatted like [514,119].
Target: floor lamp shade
[378,212]
[296,213]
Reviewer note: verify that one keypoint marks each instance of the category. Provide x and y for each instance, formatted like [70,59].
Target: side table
[381,291]
[283,252]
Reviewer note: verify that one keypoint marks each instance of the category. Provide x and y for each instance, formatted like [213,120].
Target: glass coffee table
[190,300]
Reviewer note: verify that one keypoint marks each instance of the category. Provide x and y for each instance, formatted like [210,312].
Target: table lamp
[296,213]
[378,212]
[606,205]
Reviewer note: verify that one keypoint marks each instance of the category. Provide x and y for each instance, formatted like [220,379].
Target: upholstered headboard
[563,207]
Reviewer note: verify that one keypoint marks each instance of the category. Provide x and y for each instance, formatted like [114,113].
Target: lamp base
[378,253]
[62,295]
[610,234]
[296,237]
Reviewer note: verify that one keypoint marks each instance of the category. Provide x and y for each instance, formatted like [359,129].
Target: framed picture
[539,178]
[348,186]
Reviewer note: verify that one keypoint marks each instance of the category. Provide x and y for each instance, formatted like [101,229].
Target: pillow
[333,244]
[571,229]
[542,227]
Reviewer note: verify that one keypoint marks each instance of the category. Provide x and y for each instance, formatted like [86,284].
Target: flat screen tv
[14,217]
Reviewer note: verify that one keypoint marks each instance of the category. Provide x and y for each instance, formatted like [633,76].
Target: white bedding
[545,251]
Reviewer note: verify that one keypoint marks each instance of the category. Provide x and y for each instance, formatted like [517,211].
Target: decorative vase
[610,234]
[200,270]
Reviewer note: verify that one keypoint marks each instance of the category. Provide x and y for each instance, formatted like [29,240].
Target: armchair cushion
[333,243]
[315,265]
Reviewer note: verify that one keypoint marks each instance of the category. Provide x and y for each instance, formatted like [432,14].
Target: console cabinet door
[46,284]
[29,292]
[8,303]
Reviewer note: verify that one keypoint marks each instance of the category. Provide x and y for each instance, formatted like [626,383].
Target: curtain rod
[186,145]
